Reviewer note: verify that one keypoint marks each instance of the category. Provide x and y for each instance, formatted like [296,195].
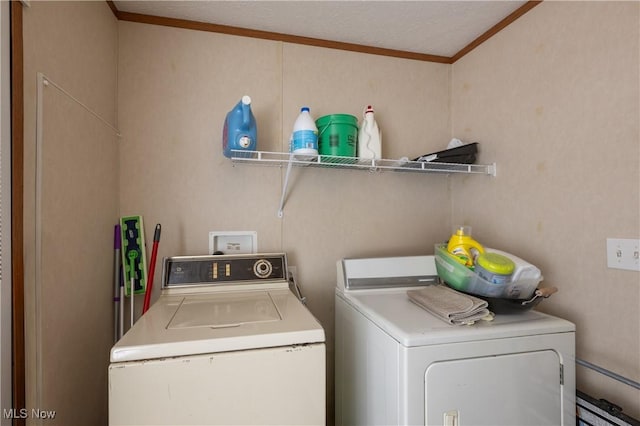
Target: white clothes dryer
[396,364]
[227,343]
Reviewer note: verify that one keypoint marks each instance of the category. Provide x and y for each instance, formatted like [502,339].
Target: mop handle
[133,254]
[152,267]
[116,280]
[121,309]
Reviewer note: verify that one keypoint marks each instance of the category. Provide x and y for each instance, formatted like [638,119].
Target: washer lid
[190,324]
[225,310]
[411,325]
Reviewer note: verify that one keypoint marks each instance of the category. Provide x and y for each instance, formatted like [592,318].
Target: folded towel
[451,306]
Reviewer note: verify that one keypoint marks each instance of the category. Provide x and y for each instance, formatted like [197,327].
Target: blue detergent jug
[239,131]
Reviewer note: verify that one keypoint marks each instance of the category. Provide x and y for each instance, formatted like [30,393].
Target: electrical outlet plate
[233,242]
[623,253]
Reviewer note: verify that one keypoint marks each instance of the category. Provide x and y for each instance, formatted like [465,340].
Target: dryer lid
[411,325]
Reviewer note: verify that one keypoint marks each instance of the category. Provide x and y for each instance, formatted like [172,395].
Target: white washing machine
[227,343]
[396,364]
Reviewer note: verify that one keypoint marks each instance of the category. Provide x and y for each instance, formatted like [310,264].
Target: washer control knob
[262,268]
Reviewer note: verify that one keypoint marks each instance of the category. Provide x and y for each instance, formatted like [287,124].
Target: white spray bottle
[369,137]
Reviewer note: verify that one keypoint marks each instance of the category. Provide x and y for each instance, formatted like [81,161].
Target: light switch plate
[623,253]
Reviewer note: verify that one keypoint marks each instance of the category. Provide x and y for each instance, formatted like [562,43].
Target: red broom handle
[152,267]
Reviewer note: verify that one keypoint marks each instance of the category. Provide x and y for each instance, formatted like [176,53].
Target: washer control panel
[223,269]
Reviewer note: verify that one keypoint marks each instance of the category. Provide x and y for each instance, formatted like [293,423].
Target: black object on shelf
[465,154]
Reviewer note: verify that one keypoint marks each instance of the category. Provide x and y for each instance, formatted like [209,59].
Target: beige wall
[175,88]
[69,332]
[554,100]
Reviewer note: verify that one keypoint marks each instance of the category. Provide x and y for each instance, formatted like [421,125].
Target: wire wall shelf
[288,160]
[355,163]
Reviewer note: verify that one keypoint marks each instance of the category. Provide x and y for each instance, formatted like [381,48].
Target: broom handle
[152,267]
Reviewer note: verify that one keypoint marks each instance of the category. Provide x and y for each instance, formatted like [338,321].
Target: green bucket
[337,135]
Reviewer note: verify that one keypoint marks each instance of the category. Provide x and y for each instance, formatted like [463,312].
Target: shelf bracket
[492,169]
[284,187]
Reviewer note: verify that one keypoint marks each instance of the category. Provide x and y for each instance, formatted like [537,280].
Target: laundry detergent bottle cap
[462,246]
[496,263]
[240,130]
[369,136]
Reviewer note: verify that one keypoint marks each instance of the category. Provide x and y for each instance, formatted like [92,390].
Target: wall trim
[268,35]
[17,208]
[496,28]
[113,8]
[287,38]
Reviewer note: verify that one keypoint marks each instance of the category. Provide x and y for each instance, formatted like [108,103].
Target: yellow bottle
[461,245]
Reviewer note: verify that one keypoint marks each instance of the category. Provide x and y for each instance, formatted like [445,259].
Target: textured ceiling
[440,28]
